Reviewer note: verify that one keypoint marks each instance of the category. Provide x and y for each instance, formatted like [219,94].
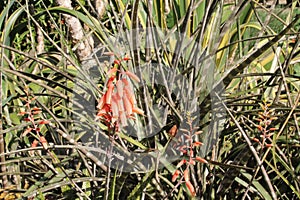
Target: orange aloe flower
[181,163]
[117,62]
[196,144]
[133,76]
[44,142]
[34,143]
[190,187]
[22,113]
[44,122]
[112,71]
[186,175]
[114,107]
[120,88]
[129,95]
[137,110]
[28,130]
[173,131]
[126,58]
[175,175]
[127,105]
[118,102]
[109,94]
[202,160]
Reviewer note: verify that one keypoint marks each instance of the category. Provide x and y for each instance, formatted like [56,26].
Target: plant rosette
[150,78]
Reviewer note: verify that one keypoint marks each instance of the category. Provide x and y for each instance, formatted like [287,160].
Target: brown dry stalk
[100,7]
[40,47]
[84,43]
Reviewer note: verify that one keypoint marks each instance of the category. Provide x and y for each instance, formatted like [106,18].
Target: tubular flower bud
[44,142]
[175,175]
[117,106]
[114,108]
[196,144]
[138,111]
[133,76]
[127,105]
[120,88]
[181,163]
[109,94]
[202,160]
[186,175]
[191,188]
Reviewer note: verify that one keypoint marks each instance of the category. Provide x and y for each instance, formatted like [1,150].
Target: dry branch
[84,43]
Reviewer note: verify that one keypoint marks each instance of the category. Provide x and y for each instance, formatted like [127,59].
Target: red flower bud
[129,95]
[181,163]
[192,162]
[101,102]
[137,110]
[259,127]
[127,105]
[109,94]
[114,107]
[175,175]
[126,58]
[202,160]
[173,130]
[36,112]
[186,175]
[27,119]
[273,129]
[112,71]
[255,140]
[44,122]
[44,142]
[196,144]
[132,76]
[22,113]
[191,188]
[269,145]
[28,130]
[120,88]
[34,143]
[117,62]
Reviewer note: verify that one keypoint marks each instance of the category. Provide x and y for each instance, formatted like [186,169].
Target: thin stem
[252,149]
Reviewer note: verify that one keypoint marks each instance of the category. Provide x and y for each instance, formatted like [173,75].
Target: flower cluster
[265,119]
[189,158]
[118,102]
[31,114]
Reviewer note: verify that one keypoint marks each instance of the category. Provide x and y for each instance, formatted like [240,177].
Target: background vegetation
[240,60]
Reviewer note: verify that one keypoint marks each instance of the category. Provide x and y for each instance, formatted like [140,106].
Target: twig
[252,149]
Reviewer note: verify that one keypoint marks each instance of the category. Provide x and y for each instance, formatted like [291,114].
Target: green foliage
[236,58]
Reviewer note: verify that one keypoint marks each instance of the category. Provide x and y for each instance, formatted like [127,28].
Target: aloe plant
[216,73]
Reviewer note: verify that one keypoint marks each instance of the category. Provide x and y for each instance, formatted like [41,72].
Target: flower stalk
[189,158]
[118,104]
